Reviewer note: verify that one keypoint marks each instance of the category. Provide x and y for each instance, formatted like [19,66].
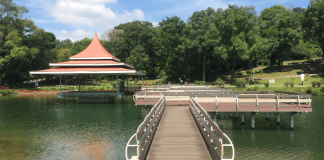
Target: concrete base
[89,94]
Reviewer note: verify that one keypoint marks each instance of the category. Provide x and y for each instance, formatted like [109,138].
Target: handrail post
[236,103]
[298,103]
[216,103]
[277,103]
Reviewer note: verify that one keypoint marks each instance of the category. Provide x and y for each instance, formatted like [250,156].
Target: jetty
[178,126]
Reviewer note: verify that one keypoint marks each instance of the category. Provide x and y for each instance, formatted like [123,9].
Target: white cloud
[91,13]
[64,31]
[74,35]
[190,6]
[155,24]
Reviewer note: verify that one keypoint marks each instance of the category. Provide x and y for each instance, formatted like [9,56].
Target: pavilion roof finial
[94,51]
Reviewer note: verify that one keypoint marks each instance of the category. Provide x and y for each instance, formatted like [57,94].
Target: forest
[209,44]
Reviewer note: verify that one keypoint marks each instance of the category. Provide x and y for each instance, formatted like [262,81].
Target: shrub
[319,83]
[314,83]
[7,92]
[291,84]
[241,82]
[136,80]
[267,84]
[221,84]
[199,82]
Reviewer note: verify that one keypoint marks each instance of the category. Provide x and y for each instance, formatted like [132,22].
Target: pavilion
[94,60]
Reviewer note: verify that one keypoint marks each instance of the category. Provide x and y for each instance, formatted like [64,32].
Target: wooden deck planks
[178,137]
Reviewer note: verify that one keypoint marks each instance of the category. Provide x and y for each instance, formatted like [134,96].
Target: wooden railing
[212,134]
[145,132]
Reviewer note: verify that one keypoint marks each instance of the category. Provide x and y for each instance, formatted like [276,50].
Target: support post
[256,107]
[252,120]
[145,97]
[79,83]
[60,85]
[298,103]
[267,116]
[278,118]
[117,85]
[216,103]
[127,83]
[236,103]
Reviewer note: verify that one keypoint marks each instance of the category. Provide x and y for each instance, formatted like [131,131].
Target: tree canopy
[210,43]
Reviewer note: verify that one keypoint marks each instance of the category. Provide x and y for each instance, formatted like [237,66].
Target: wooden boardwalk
[178,137]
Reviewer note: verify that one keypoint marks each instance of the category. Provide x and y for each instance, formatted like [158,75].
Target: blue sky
[77,19]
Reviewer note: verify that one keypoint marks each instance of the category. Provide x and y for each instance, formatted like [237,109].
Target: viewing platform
[219,100]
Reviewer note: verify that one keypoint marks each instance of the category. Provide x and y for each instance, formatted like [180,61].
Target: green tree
[166,40]
[282,28]
[15,56]
[233,32]
[139,59]
[314,23]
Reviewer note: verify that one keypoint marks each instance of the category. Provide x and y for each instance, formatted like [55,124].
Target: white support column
[60,85]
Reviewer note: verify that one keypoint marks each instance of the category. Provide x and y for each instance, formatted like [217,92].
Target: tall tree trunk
[322,46]
[232,75]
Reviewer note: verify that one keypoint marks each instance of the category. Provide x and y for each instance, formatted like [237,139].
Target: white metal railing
[213,135]
[146,130]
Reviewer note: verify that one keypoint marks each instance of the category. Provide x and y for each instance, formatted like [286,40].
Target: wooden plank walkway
[178,137]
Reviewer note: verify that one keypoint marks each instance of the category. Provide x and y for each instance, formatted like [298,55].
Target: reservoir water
[44,127]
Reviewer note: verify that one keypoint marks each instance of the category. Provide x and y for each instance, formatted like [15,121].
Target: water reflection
[44,127]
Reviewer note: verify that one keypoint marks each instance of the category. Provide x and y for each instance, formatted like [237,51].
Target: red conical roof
[94,51]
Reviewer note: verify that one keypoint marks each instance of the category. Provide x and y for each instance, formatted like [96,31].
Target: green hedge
[7,92]
[199,82]
[291,84]
[221,84]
